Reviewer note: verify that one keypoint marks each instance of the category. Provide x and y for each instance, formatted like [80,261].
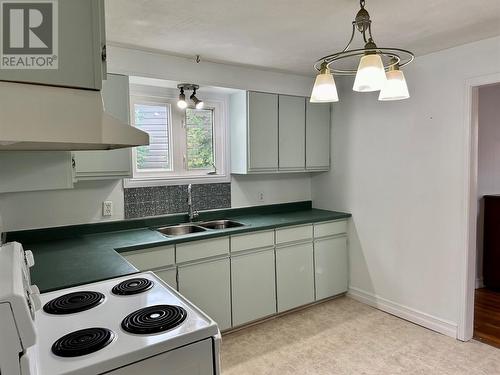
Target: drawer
[189,251]
[154,257]
[330,228]
[252,241]
[294,234]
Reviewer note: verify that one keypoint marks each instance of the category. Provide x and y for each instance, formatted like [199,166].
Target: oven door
[193,359]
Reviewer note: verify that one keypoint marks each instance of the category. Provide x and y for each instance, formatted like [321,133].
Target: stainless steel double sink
[189,228]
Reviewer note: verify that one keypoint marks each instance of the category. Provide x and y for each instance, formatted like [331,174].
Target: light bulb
[324,89]
[181,103]
[370,75]
[199,105]
[395,87]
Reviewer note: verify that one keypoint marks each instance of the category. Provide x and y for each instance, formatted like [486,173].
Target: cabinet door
[253,286]
[294,276]
[207,285]
[35,170]
[262,131]
[79,48]
[292,123]
[317,136]
[169,276]
[330,261]
[96,165]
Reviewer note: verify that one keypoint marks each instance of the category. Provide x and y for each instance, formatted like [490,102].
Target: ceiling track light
[378,68]
[182,103]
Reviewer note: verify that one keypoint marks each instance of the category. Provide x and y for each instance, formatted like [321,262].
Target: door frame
[468,267]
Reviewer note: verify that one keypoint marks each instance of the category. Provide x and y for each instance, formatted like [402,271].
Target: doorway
[468,269]
[487,285]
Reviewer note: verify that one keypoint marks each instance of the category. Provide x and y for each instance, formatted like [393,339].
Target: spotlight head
[181,103]
[197,102]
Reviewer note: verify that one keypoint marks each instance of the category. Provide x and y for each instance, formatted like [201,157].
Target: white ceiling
[291,35]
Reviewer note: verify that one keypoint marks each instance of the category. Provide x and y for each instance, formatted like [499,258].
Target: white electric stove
[135,324]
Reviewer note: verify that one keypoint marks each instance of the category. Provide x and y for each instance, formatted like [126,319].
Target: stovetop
[117,330]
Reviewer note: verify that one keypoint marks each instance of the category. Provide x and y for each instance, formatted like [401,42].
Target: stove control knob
[35,297]
[30,259]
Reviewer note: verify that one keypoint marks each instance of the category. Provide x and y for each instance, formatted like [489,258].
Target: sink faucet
[192,214]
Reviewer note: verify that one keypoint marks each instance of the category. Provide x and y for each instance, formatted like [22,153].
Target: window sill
[180,180]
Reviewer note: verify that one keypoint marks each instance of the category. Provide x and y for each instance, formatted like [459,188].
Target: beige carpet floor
[343,336]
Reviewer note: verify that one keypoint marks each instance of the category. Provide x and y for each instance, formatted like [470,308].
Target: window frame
[178,140]
[152,173]
[214,142]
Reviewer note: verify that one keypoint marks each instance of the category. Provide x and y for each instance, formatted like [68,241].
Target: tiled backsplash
[163,200]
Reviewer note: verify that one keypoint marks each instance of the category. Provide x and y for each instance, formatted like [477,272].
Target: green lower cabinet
[168,275]
[294,275]
[331,266]
[207,285]
[253,286]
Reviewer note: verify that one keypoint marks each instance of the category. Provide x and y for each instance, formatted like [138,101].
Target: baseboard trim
[479,283]
[425,320]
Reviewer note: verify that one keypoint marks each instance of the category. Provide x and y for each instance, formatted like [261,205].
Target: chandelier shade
[370,75]
[395,87]
[325,89]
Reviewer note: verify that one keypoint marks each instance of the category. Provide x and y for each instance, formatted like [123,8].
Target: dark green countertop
[85,257]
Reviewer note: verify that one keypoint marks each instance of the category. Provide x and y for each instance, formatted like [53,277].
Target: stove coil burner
[84,341]
[132,286]
[154,319]
[73,302]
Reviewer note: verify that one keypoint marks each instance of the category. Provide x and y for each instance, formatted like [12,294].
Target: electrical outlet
[260,196]
[107,208]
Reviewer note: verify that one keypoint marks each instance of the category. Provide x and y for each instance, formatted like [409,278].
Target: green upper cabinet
[273,133]
[81,47]
[254,132]
[262,131]
[35,170]
[292,130]
[111,164]
[317,136]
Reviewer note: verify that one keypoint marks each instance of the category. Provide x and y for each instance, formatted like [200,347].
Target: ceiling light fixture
[182,103]
[372,67]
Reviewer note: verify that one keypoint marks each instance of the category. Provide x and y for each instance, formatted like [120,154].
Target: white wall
[83,203]
[400,169]
[488,176]
[245,189]
[61,207]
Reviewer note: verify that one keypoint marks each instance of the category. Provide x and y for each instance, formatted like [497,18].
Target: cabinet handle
[103,53]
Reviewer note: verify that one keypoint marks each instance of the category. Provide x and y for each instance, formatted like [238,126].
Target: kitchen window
[186,146]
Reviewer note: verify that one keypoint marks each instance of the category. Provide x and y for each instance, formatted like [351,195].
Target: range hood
[36,117]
